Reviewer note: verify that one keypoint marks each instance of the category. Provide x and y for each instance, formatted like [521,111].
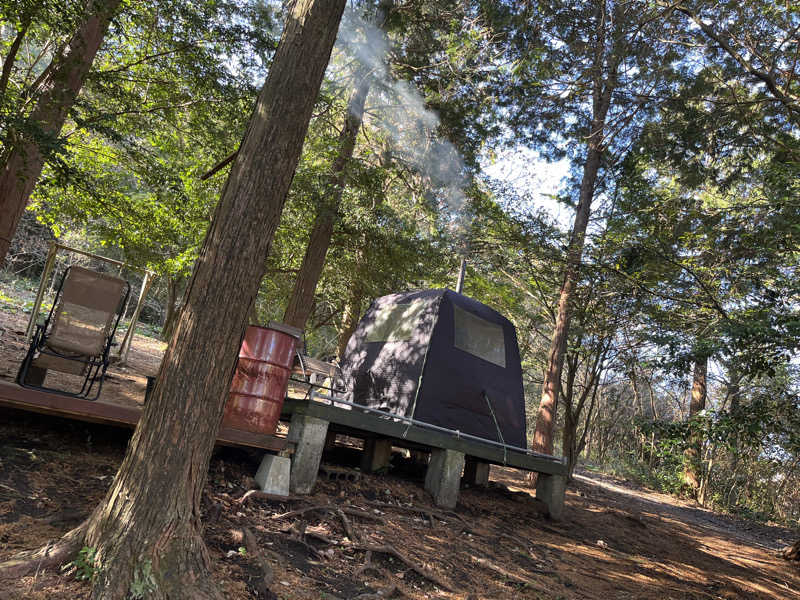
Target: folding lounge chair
[77,335]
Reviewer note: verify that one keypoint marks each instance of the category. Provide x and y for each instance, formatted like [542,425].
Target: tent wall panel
[438,356]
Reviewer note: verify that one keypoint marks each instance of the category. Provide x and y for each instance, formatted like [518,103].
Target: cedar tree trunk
[11,57]
[67,72]
[602,89]
[173,310]
[301,302]
[150,518]
[692,468]
[352,313]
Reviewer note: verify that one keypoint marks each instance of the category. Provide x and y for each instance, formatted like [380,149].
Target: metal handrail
[454,432]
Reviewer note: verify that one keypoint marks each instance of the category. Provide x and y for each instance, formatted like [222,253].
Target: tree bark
[173,309]
[352,310]
[692,468]
[150,517]
[11,57]
[570,443]
[67,73]
[601,100]
[301,301]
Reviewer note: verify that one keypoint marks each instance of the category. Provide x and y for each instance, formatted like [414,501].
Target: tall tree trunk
[692,468]
[570,423]
[301,302]
[11,57]
[67,73]
[582,442]
[173,309]
[651,395]
[150,517]
[352,310]
[571,444]
[601,100]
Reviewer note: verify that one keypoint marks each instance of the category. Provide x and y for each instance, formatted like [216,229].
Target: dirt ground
[616,541]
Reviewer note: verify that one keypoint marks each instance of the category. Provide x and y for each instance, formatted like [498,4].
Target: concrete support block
[443,476]
[273,474]
[308,435]
[376,455]
[476,473]
[551,490]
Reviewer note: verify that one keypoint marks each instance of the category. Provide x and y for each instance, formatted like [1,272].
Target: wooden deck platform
[51,403]
[364,424]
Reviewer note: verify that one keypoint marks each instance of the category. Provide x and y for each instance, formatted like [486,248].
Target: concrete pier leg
[273,474]
[376,455]
[444,476]
[308,434]
[551,490]
[476,473]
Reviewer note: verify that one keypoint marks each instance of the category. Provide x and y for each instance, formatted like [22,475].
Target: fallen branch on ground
[265,496]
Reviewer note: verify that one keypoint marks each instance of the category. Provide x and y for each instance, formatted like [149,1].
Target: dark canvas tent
[441,358]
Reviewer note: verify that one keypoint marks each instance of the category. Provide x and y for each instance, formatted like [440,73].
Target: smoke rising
[409,124]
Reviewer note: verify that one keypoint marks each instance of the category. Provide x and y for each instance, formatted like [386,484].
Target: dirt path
[770,538]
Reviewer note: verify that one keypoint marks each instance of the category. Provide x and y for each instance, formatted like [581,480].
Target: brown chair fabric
[62,365]
[86,312]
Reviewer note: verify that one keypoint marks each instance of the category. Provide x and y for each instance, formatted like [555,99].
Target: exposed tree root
[255,555]
[428,512]
[54,554]
[386,592]
[792,552]
[506,574]
[328,508]
[420,570]
[347,527]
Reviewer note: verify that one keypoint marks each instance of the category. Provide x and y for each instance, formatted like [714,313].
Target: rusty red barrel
[262,375]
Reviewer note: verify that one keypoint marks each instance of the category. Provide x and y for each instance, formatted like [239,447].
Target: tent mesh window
[396,323]
[479,337]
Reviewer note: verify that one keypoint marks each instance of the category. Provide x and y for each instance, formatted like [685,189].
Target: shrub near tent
[442,358]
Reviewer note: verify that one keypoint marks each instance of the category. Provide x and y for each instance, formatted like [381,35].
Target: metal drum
[262,375]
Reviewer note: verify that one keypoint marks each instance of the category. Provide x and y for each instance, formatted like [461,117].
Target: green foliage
[85,565]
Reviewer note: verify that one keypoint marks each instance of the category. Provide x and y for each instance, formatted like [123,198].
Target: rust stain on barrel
[260,381]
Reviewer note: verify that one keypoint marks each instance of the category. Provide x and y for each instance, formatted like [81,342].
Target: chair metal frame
[96,366]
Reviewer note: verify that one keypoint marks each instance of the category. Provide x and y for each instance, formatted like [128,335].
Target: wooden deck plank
[106,413]
[357,420]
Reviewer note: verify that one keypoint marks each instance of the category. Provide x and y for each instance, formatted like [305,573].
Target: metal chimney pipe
[461,272]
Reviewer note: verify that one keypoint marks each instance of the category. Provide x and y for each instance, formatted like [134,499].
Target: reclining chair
[77,335]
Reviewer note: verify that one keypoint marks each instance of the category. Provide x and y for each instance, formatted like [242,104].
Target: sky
[533,178]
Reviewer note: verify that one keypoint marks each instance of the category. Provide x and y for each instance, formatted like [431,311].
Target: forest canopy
[654,288]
